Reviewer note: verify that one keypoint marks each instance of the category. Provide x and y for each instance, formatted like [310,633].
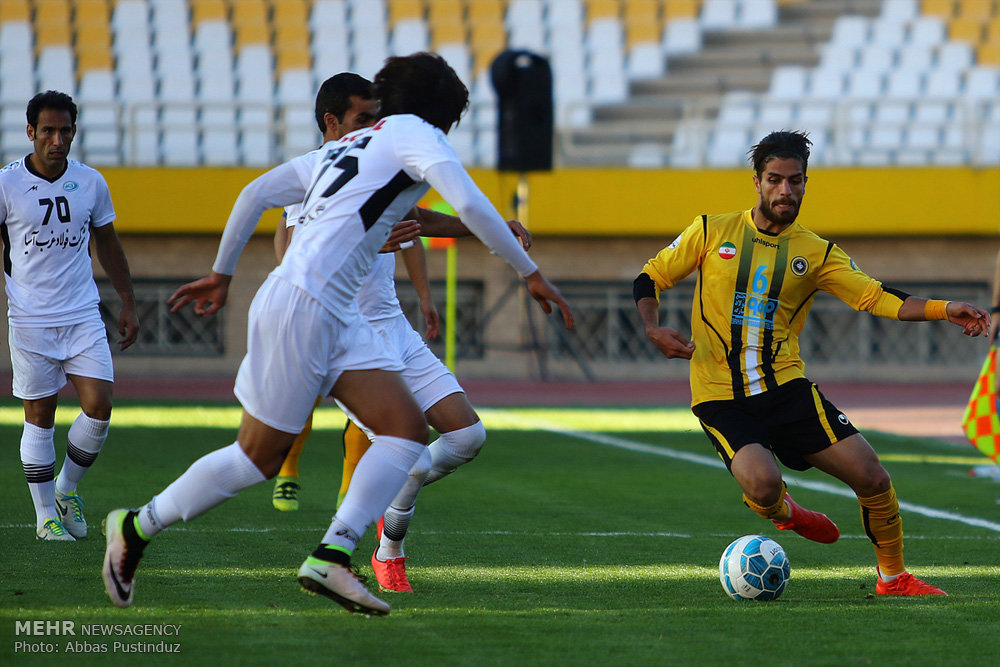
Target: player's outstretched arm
[111,256]
[973,320]
[208,294]
[668,341]
[435,223]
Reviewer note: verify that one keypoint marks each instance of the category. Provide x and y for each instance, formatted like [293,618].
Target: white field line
[791,480]
[628,534]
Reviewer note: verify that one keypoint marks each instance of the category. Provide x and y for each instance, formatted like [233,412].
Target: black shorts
[792,421]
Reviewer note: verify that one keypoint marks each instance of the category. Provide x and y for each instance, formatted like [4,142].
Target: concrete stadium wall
[169,222]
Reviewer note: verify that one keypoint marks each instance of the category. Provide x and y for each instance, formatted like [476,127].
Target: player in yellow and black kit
[758,272]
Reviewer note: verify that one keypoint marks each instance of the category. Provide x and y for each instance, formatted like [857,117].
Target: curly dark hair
[423,84]
[783,144]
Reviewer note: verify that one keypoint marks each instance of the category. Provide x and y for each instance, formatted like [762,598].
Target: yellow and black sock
[356,443]
[779,511]
[884,527]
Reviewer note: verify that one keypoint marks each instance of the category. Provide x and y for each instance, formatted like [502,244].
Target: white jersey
[46,237]
[377,298]
[377,176]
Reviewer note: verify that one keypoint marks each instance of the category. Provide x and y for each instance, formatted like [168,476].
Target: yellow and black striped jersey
[753,293]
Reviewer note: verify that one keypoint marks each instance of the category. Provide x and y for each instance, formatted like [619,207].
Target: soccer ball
[754,567]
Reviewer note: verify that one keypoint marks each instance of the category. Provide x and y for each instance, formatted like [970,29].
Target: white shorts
[296,350]
[426,375]
[41,358]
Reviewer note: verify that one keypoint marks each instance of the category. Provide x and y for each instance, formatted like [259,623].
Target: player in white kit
[306,337]
[50,207]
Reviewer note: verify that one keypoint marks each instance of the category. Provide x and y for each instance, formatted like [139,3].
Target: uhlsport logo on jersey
[69,186]
[677,242]
[727,250]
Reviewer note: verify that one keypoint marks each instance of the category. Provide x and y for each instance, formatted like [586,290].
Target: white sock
[210,481]
[83,444]
[380,474]
[397,516]
[38,459]
[454,448]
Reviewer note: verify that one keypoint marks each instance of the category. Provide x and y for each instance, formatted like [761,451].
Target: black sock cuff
[129,532]
[333,555]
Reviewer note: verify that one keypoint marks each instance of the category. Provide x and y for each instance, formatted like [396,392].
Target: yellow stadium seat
[993,31]
[681,9]
[484,11]
[89,59]
[401,10]
[447,33]
[601,9]
[52,12]
[52,34]
[486,41]
[92,35]
[966,30]
[638,33]
[15,10]
[250,12]
[291,35]
[975,9]
[287,59]
[642,11]
[294,12]
[91,12]
[943,8]
[208,10]
[988,54]
[444,12]
[253,33]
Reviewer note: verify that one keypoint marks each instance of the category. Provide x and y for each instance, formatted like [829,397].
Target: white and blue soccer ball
[754,567]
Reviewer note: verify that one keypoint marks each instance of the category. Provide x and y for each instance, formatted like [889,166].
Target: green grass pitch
[572,539]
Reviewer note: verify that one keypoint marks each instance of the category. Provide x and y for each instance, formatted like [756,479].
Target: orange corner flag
[981,421]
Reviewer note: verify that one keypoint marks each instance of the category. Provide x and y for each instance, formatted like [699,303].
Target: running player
[345,103]
[306,337]
[758,271]
[50,207]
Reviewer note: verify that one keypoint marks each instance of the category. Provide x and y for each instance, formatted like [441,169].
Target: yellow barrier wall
[618,202]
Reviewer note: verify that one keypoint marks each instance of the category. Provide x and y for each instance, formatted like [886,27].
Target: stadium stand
[644,83]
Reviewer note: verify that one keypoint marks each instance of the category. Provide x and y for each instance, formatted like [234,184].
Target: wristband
[994,310]
[936,309]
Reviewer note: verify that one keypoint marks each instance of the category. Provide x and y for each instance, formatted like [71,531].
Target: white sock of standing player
[38,459]
[447,453]
[83,444]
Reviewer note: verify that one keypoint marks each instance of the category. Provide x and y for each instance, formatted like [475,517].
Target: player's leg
[38,376]
[216,477]
[286,485]
[382,401]
[38,460]
[84,442]
[356,443]
[289,338]
[461,437]
[737,432]
[854,462]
